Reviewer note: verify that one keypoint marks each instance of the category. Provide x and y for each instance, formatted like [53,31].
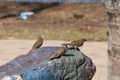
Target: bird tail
[65,44]
[30,51]
[52,57]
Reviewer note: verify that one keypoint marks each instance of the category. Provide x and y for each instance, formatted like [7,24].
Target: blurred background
[21,23]
[53,21]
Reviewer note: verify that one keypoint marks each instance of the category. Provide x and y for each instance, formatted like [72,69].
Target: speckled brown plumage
[75,44]
[58,53]
[37,44]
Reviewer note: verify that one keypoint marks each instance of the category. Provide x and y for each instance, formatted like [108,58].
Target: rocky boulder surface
[37,66]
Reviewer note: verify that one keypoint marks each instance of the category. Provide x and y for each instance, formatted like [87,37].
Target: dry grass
[52,33]
[66,21]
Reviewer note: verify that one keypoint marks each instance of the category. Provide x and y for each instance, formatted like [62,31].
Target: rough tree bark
[113,18]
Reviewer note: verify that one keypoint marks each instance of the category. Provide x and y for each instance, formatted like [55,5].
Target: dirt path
[9,49]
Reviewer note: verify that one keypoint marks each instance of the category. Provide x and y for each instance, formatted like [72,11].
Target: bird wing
[58,53]
[35,45]
[74,43]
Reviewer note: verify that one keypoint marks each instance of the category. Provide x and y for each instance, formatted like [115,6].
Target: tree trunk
[113,18]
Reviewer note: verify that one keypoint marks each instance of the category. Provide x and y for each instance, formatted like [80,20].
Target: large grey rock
[74,66]
[29,60]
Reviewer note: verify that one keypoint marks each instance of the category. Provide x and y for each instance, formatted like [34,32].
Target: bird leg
[78,49]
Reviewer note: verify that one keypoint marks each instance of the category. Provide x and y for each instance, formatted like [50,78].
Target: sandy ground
[97,51]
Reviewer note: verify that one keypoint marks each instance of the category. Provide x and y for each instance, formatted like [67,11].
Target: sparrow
[75,44]
[60,52]
[37,44]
